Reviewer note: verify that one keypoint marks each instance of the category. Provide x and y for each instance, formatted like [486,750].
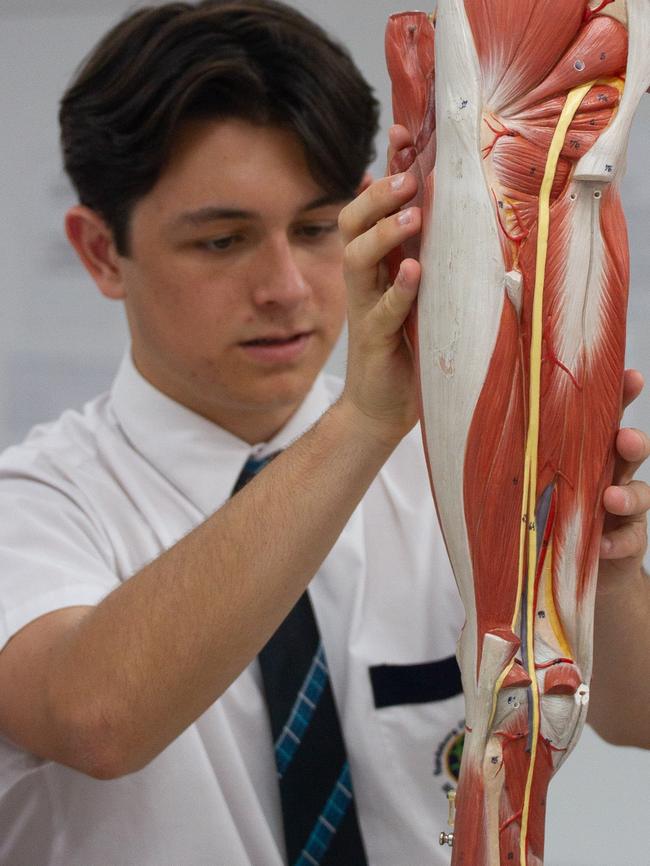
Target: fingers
[398,138]
[632,500]
[401,152]
[633,383]
[628,540]
[367,250]
[632,450]
[372,226]
[379,200]
[395,304]
[627,501]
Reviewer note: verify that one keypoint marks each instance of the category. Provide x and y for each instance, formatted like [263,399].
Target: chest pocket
[396,685]
[419,711]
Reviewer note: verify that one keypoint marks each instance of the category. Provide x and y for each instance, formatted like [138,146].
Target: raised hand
[381,381]
[627,501]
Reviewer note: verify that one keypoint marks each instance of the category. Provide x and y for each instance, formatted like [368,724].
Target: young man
[213,147]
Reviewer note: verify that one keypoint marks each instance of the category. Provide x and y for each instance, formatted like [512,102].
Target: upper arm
[55,566]
[53,553]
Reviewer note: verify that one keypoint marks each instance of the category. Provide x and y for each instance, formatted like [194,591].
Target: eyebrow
[211,213]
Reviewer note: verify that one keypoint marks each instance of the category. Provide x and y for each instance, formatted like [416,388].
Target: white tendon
[461,291]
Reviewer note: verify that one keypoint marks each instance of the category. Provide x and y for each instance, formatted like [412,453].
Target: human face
[233,284]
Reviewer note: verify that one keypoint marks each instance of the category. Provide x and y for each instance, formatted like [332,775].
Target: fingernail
[405,217]
[397,182]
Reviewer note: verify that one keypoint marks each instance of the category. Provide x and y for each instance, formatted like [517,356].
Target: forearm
[148,660]
[619,708]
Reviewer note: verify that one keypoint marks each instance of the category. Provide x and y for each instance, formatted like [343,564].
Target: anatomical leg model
[520,141]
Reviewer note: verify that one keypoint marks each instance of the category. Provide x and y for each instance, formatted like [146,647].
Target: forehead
[224,162]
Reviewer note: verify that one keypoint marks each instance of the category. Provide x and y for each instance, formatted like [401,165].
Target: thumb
[395,304]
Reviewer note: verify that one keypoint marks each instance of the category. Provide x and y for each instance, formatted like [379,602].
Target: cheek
[203,304]
[194,322]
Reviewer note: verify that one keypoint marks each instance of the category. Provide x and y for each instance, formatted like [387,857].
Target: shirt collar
[200,459]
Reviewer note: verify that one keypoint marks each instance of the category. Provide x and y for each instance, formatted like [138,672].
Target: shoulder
[56,453]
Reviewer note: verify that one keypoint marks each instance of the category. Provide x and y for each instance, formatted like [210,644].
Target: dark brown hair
[258,60]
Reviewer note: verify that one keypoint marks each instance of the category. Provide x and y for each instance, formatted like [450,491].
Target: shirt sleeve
[52,553]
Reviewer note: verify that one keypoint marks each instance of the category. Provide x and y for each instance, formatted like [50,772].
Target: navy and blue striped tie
[320,820]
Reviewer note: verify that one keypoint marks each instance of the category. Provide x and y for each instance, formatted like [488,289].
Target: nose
[280,280]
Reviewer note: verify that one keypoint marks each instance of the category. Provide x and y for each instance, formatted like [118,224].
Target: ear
[366,180]
[93,242]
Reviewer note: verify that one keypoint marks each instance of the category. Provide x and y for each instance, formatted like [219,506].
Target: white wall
[60,341]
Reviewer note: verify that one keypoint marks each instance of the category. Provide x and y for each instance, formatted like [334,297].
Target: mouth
[280,340]
[278,348]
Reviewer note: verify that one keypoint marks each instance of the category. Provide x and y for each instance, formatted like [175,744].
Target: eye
[222,243]
[318,230]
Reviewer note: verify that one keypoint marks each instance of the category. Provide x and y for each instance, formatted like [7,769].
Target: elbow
[103,768]
[96,751]
[619,713]
[620,733]
[98,744]
[106,764]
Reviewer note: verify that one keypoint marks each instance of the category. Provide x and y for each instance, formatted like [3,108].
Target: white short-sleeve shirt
[87,501]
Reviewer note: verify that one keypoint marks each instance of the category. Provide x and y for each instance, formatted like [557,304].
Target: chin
[286,392]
